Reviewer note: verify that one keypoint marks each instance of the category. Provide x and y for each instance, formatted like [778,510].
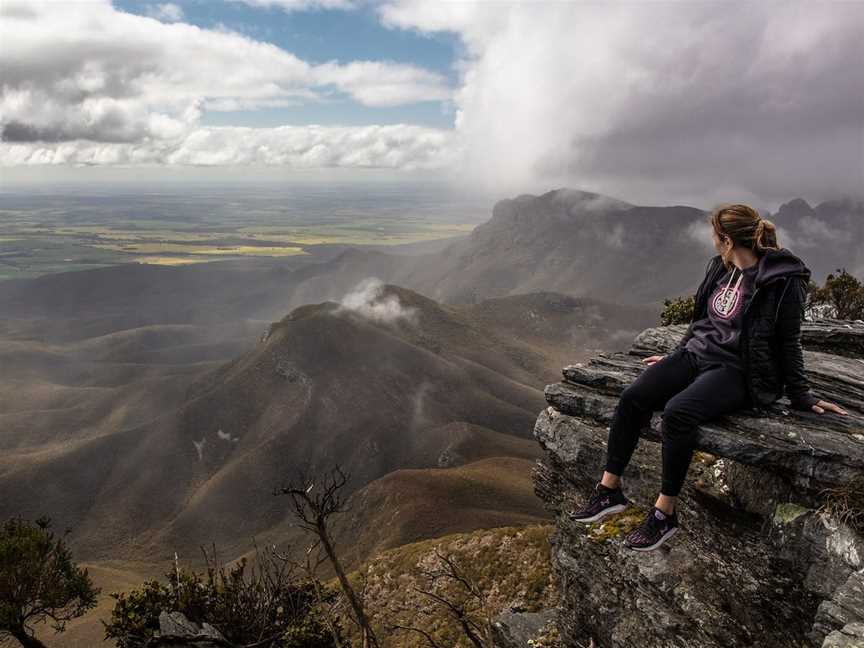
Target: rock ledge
[758,561]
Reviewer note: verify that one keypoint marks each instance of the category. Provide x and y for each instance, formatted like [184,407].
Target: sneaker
[657,528]
[604,501]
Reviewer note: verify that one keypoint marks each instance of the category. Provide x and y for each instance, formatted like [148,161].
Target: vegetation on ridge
[409,590]
[266,604]
[842,295]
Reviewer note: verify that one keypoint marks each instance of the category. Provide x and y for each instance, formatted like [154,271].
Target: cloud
[123,88]
[419,415]
[656,103]
[225,436]
[694,103]
[168,12]
[199,447]
[400,146]
[817,233]
[383,84]
[301,5]
[615,237]
[698,233]
[368,299]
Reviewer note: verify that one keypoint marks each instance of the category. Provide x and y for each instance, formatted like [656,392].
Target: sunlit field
[45,233]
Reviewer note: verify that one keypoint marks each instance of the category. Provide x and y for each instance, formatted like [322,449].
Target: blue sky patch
[326,35]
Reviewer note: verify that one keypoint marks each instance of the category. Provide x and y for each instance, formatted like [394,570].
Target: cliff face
[760,560]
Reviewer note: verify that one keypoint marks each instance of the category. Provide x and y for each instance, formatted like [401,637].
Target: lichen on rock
[787,512]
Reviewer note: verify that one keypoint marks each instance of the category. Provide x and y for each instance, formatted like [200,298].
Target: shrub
[677,311]
[39,582]
[842,293]
[262,604]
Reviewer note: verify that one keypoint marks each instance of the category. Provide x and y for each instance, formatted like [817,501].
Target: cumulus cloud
[169,12]
[401,146]
[301,5]
[368,299]
[123,88]
[657,102]
[374,83]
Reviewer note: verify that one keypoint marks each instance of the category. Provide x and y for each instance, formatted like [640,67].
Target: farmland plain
[60,229]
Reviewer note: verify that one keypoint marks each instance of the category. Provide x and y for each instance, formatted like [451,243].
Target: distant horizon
[131,186]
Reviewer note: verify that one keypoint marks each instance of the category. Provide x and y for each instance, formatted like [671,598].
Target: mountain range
[153,409]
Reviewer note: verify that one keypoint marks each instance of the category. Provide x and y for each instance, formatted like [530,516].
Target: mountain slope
[328,384]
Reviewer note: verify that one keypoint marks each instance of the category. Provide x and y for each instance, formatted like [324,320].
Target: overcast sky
[653,102]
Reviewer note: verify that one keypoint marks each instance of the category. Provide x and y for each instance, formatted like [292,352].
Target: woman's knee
[633,397]
[677,422]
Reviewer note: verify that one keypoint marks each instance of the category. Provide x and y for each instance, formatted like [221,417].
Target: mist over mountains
[581,243]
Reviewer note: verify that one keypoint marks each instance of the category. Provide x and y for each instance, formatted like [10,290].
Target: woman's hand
[655,358]
[822,405]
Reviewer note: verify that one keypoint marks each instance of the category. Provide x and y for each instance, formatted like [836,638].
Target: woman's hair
[745,227]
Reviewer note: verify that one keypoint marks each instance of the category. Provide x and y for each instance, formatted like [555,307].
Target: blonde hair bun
[745,227]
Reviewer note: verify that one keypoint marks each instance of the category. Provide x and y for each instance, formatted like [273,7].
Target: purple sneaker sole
[615,508]
[663,538]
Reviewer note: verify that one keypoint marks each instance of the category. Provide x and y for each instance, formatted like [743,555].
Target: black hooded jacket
[770,345]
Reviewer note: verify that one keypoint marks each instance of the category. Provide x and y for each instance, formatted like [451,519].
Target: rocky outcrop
[851,636]
[760,560]
[521,629]
[832,336]
[177,631]
[837,337]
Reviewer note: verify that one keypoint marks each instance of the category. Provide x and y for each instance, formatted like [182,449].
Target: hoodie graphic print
[715,338]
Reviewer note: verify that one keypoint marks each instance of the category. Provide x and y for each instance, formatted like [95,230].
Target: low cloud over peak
[369,299]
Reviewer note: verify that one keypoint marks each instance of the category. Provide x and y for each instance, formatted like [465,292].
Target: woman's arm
[687,335]
[789,316]
[702,286]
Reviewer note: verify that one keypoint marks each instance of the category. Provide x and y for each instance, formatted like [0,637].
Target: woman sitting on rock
[741,350]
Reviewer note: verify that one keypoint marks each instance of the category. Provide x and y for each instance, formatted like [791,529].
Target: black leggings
[690,391]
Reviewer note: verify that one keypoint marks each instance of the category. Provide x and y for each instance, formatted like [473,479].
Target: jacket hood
[778,263]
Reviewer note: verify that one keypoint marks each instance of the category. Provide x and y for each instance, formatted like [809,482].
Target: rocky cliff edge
[770,553]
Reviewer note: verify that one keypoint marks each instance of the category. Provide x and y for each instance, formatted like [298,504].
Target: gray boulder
[516,629]
[176,631]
